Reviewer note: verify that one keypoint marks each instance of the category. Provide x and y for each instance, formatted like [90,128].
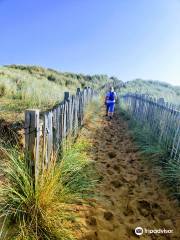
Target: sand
[129,194]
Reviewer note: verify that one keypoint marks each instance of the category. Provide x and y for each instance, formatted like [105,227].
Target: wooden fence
[44,131]
[161,117]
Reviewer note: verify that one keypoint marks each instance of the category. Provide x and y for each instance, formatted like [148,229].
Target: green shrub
[68,82]
[51,78]
[2,90]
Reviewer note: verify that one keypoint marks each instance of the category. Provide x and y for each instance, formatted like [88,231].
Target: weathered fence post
[78,91]
[161,101]
[32,137]
[57,123]
[78,106]
[160,117]
[67,112]
[66,96]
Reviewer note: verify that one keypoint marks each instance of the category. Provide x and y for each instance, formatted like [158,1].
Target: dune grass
[23,87]
[46,212]
[170,176]
[24,90]
[155,89]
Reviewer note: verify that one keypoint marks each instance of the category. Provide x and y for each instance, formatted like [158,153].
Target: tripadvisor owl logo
[139,231]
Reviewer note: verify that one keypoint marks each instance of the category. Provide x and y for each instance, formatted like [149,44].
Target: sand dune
[129,194]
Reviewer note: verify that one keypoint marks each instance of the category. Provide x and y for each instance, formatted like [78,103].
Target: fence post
[161,101]
[32,137]
[66,96]
[78,106]
[78,91]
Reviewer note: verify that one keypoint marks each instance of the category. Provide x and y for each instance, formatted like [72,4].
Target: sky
[124,38]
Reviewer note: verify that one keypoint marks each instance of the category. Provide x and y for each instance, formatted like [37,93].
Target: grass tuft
[48,211]
[171,177]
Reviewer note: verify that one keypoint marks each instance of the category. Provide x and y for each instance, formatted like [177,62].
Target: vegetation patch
[155,89]
[155,154]
[46,211]
[23,87]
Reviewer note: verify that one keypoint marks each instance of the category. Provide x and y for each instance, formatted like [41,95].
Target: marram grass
[171,176]
[46,212]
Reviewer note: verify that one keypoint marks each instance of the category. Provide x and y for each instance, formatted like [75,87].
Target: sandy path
[129,193]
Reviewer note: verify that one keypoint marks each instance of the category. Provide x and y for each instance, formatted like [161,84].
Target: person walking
[110,100]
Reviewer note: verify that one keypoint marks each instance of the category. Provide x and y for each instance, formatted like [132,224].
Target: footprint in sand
[144,208]
[130,195]
[116,183]
[112,154]
[108,216]
[116,168]
[110,172]
[108,165]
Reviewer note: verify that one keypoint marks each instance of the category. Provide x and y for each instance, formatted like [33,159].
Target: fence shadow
[11,133]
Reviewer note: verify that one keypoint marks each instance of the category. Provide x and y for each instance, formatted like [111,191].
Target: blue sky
[126,38]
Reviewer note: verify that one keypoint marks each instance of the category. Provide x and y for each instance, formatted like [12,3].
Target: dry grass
[47,211]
